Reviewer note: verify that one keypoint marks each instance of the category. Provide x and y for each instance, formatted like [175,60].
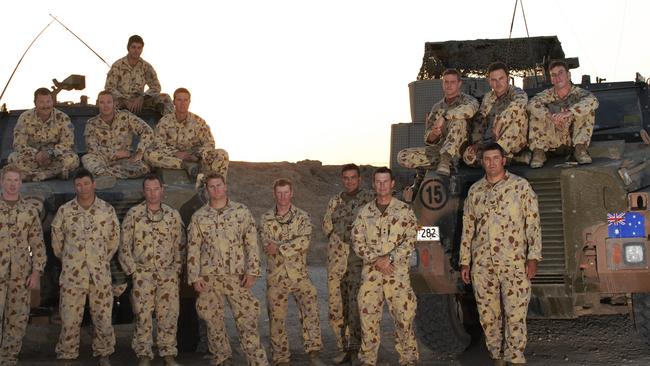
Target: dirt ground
[603,340]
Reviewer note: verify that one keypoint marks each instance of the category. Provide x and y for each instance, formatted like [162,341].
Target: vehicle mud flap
[188,325]
[641,306]
[439,323]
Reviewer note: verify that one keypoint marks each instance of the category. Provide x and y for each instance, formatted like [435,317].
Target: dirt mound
[314,184]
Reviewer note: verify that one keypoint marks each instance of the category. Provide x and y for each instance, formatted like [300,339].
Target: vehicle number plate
[428,233]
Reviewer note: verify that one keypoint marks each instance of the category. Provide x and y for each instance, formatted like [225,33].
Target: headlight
[634,253]
[413,259]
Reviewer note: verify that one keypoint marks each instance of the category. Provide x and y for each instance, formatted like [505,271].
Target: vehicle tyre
[439,323]
[188,325]
[641,305]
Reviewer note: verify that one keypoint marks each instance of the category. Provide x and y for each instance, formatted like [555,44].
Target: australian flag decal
[625,225]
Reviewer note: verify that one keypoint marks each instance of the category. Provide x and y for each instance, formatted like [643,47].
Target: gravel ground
[591,340]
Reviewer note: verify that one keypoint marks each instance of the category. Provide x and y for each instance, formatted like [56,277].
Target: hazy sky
[293,80]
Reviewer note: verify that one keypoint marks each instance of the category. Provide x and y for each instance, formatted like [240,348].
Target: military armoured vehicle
[180,193]
[595,219]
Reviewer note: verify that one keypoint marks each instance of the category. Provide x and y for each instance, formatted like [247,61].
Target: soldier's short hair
[41,91]
[182,90]
[134,39]
[382,170]
[105,92]
[556,63]
[10,168]
[213,175]
[152,176]
[83,173]
[498,65]
[282,182]
[490,147]
[452,72]
[350,166]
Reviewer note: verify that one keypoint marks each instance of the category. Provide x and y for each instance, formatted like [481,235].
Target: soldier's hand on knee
[465,274]
[34,281]
[199,286]
[247,281]
[531,268]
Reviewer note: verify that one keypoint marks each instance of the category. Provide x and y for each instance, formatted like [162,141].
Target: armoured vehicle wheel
[439,322]
[641,305]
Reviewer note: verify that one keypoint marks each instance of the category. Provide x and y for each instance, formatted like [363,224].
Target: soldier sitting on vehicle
[502,118]
[44,141]
[561,116]
[128,76]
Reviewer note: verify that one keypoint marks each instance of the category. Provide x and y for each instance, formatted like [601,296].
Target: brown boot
[171,361]
[314,359]
[341,357]
[444,166]
[144,361]
[581,155]
[539,157]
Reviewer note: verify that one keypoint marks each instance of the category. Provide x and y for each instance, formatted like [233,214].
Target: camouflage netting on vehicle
[524,56]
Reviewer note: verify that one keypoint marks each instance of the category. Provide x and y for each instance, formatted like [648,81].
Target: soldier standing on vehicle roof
[502,118]
[343,265]
[383,235]
[85,236]
[128,76]
[500,247]
[44,141]
[109,140]
[223,263]
[183,141]
[285,231]
[153,238]
[22,260]
[561,116]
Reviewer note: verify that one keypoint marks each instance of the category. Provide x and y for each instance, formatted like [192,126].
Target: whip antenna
[80,40]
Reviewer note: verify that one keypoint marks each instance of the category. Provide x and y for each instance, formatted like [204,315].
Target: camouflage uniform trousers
[452,141]
[71,307]
[246,310]
[211,161]
[161,103]
[512,140]
[159,292]
[351,285]
[337,264]
[26,161]
[398,293]
[543,134]
[278,288]
[502,291]
[14,312]
[120,169]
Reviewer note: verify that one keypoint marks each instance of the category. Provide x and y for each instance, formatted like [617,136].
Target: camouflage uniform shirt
[462,108]
[56,134]
[106,139]
[22,250]
[510,108]
[127,82]
[579,102]
[340,214]
[192,135]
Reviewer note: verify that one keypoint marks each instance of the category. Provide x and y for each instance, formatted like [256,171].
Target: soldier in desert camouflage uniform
[128,76]
[152,240]
[343,265]
[562,116]
[500,247]
[109,139]
[502,118]
[44,141]
[182,139]
[85,235]
[285,231]
[22,260]
[445,132]
[223,262]
[383,235]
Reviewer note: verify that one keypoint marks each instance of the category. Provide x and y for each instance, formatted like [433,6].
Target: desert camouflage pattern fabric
[31,135]
[508,110]
[127,82]
[377,234]
[454,133]
[344,267]
[501,231]
[222,247]
[22,251]
[192,135]
[542,132]
[85,240]
[287,274]
[151,252]
[103,140]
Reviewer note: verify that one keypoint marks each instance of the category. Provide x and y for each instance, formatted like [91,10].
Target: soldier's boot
[499,362]
[539,157]
[410,191]
[105,182]
[581,154]
[341,357]
[314,359]
[171,361]
[523,157]
[191,168]
[444,166]
[144,361]
[104,361]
